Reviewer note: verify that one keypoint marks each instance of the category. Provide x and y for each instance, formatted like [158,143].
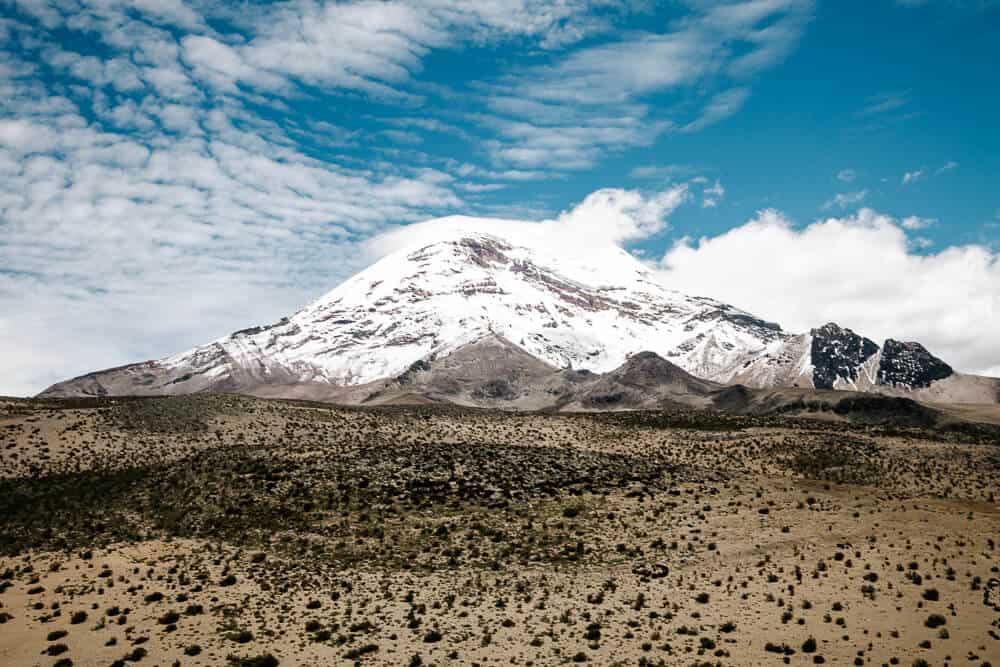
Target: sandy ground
[773,544]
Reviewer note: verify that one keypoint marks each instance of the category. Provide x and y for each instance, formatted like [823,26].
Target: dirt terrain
[225,530]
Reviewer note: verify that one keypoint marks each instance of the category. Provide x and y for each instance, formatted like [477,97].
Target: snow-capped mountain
[427,302]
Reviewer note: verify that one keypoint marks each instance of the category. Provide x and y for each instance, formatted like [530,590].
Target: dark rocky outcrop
[909,365]
[838,353]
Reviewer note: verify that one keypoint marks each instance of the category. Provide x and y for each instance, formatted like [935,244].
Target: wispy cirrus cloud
[845,199]
[846,175]
[910,177]
[712,195]
[884,103]
[950,165]
[662,171]
[566,114]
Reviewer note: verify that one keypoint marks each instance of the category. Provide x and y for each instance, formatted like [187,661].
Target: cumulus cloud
[846,175]
[912,176]
[858,271]
[604,219]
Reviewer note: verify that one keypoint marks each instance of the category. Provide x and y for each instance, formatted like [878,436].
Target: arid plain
[215,530]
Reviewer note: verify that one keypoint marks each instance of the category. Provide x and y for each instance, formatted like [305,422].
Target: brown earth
[434,535]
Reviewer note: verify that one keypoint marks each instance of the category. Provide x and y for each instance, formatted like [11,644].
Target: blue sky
[173,170]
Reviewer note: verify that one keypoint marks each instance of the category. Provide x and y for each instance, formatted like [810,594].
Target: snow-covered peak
[588,310]
[608,267]
[431,299]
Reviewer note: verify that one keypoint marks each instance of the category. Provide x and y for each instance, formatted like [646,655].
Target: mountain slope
[429,302]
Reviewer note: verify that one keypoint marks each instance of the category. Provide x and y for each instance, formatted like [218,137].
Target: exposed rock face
[910,365]
[837,354]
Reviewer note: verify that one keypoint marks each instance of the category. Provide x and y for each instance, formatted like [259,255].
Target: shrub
[356,653]
[169,618]
[935,621]
[241,637]
[265,660]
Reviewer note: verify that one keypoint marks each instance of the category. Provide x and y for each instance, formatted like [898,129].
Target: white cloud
[884,103]
[590,102]
[530,146]
[711,195]
[661,171]
[946,167]
[914,222]
[23,136]
[720,107]
[604,219]
[482,187]
[846,199]
[858,271]
[170,12]
[374,47]
[919,174]
[615,216]
[846,175]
